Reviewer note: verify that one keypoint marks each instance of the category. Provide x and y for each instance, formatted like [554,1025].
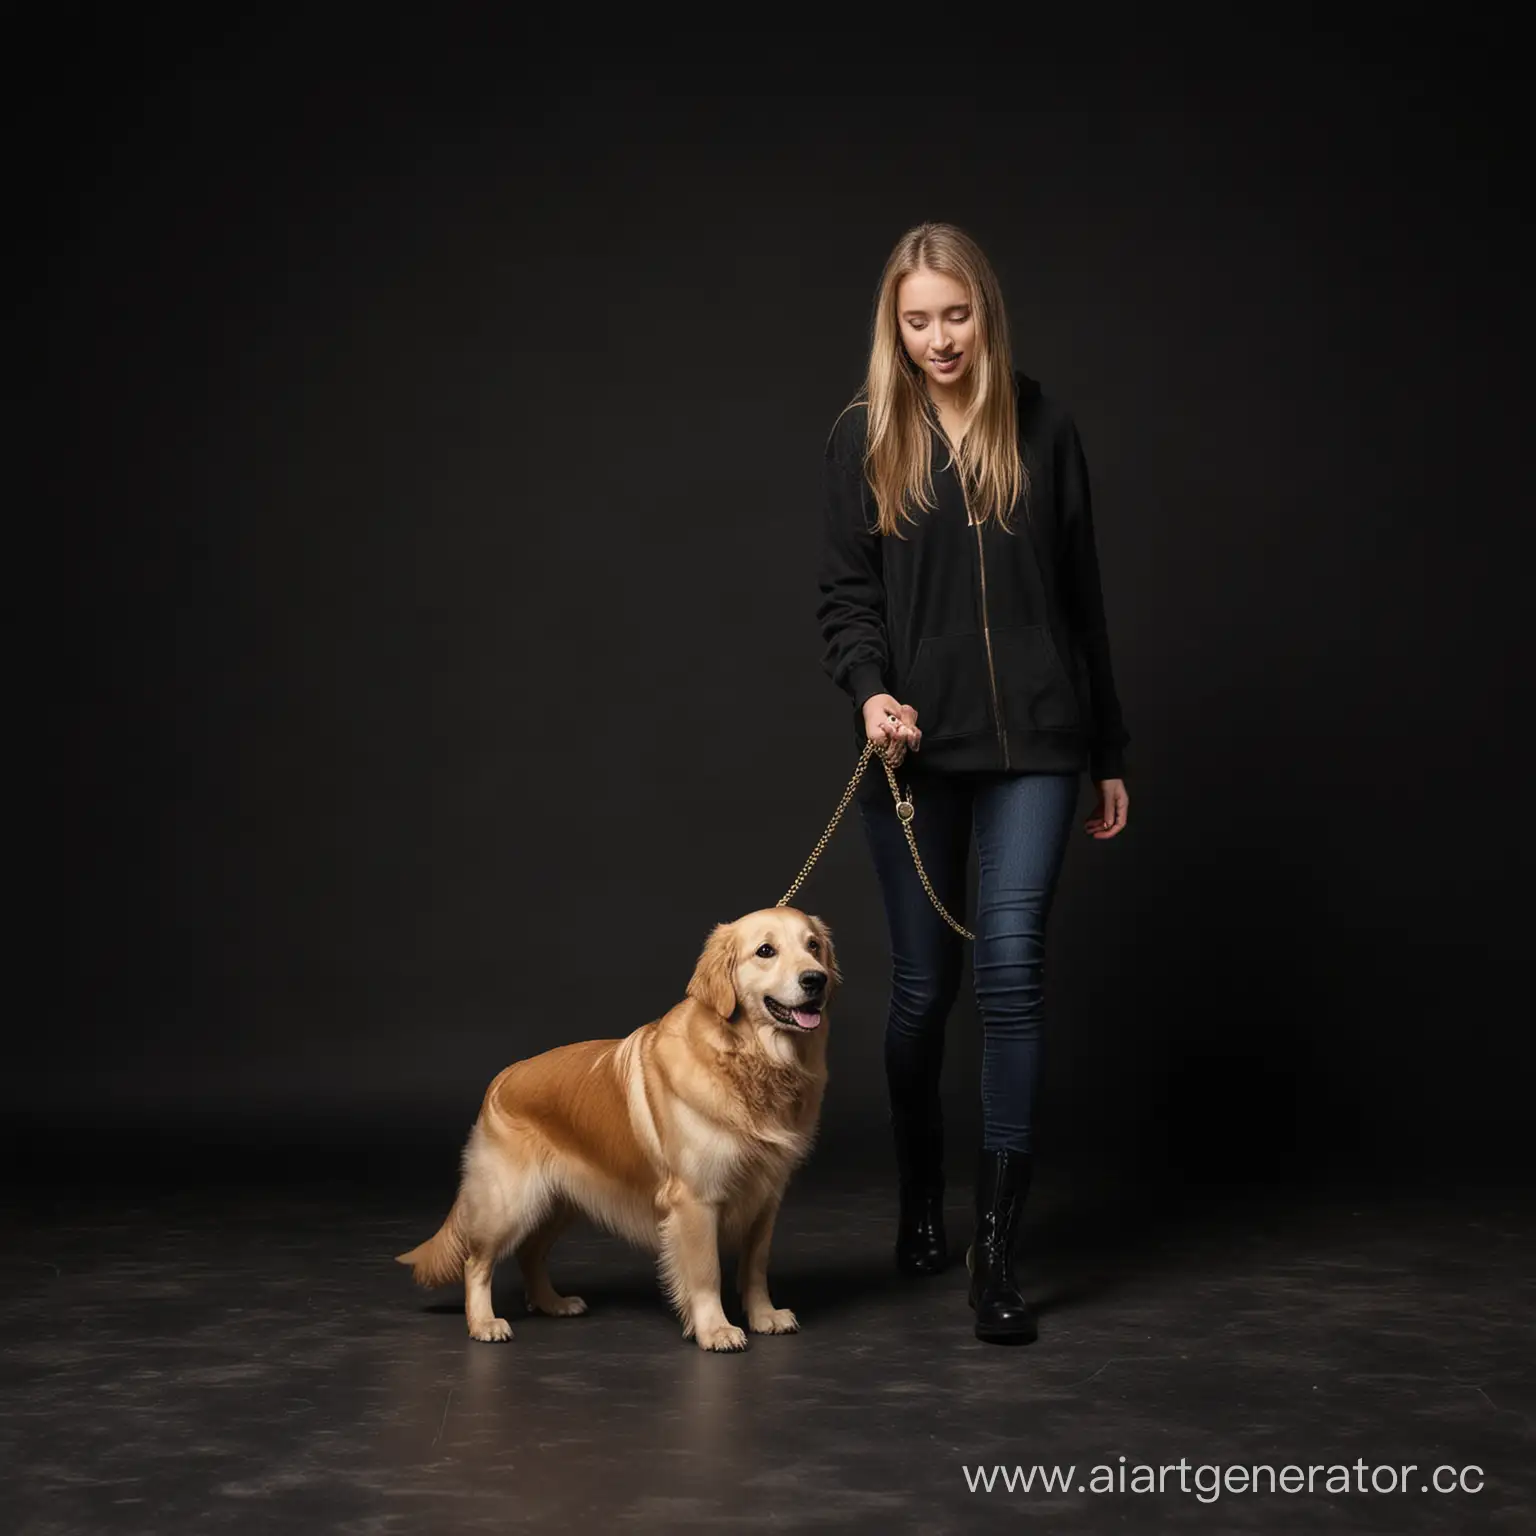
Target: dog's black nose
[812,981]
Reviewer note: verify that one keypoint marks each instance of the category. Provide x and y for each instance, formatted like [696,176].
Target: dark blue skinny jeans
[1022,822]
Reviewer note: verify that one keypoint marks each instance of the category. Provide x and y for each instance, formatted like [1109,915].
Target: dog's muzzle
[805,1014]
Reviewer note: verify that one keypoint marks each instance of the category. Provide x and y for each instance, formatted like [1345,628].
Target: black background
[426,424]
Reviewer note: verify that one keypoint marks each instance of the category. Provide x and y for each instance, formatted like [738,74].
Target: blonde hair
[897,456]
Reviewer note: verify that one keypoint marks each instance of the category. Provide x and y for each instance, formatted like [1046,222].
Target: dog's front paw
[722,1337]
[774,1320]
[494,1332]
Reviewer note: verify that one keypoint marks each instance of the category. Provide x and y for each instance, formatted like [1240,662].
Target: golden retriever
[679,1137]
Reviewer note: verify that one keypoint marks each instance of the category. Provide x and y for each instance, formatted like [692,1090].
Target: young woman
[961,611]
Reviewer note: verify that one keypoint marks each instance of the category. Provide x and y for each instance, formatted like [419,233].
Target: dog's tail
[439,1260]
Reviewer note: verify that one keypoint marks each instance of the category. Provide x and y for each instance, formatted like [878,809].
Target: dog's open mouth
[797,1018]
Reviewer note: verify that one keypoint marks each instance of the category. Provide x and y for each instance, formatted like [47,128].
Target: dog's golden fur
[679,1137]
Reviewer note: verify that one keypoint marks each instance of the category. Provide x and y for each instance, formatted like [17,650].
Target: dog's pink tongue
[803,1019]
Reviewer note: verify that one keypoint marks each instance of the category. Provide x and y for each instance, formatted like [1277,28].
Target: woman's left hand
[1114,807]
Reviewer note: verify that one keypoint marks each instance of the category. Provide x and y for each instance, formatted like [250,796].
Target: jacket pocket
[948,686]
[1037,692]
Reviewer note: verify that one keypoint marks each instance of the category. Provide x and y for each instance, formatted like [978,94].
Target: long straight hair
[898,444]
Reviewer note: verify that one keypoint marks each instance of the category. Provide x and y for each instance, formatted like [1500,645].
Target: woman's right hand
[891,726]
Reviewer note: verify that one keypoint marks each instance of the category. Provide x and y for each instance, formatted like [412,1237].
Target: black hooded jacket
[996,638]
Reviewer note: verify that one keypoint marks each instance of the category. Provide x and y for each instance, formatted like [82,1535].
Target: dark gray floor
[252,1360]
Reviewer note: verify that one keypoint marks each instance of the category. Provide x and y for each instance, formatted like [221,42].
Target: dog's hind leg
[499,1205]
[479,1311]
[532,1257]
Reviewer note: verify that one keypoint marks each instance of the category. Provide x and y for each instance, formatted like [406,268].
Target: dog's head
[773,967]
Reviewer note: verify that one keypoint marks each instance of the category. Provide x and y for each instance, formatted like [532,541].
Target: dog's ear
[714,977]
[828,949]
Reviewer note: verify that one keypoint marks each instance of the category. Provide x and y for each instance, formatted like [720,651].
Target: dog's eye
[814,945]
[766,951]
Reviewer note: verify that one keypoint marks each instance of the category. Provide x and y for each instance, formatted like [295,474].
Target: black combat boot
[921,1247]
[1003,1316]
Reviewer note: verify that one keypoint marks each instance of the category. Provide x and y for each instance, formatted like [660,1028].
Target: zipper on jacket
[986,630]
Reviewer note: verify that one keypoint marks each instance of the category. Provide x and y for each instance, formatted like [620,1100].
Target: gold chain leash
[904,813]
